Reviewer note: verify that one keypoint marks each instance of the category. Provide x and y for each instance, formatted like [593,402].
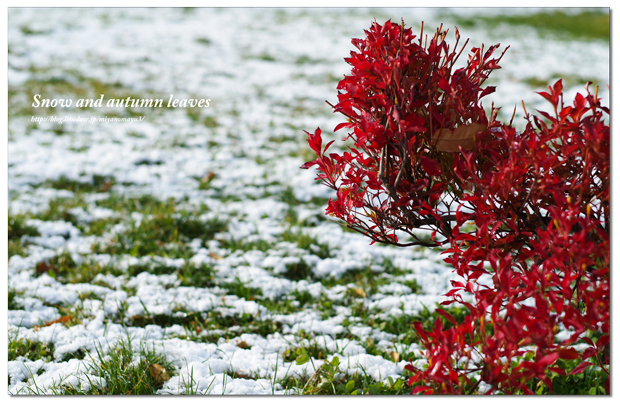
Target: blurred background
[267,72]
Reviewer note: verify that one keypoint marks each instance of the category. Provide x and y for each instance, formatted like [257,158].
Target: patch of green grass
[88,295]
[148,162]
[245,246]
[223,195]
[307,242]
[163,230]
[314,350]
[304,297]
[16,229]
[364,384]
[33,350]
[412,284]
[80,354]
[287,195]
[264,56]
[325,306]
[122,374]
[192,227]
[298,271]
[99,226]
[536,83]
[29,31]
[585,25]
[58,209]
[162,320]
[567,81]
[65,270]
[210,122]
[359,309]
[62,267]
[203,41]
[403,324]
[193,113]
[321,78]
[305,59]
[241,289]
[13,294]
[589,382]
[146,204]
[82,148]
[201,276]
[16,248]
[371,348]
[136,134]
[328,380]
[279,305]
[362,277]
[282,138]
[247,324]
[74,312]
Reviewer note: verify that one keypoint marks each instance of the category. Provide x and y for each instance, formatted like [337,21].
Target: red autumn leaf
[581,367]
[546,95]
[557,90]
[469,287]
[427,390]
[557,370]
[343,125]
[315,141]
[310,164]
[420,330]
[430,166]
[607,385]
[568,353]
[413,122]
[487,90]
[447,316]
[589,352]
[444,85]
[548,359]
[602,342]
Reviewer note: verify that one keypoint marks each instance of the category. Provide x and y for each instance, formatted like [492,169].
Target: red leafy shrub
[409,111]
[525,215]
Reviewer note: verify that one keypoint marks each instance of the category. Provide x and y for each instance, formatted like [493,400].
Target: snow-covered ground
[267,73]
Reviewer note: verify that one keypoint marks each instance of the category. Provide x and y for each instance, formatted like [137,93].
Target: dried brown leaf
[159,373]
[106,186]
[463,136]
[215,256]
[359,292]
[208,177]
[43,267]
[62,319]
[395,356]
[243,345]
